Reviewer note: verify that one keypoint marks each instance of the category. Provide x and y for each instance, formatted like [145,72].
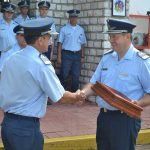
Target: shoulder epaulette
[45,59]
[107,52]
[142,55]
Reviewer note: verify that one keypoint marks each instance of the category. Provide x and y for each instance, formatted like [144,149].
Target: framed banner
[118,7]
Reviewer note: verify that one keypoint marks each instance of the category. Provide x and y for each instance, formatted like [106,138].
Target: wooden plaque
[117,100]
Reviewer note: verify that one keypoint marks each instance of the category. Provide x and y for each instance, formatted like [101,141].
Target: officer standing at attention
[7,36]
[127,70]
[71,42]
[24,8]
[43,10]
[21,43]
[27,79]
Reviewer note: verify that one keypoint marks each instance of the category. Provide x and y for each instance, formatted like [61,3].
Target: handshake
[73,98]
[80,97]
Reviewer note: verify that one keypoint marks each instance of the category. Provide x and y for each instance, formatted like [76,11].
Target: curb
[85,142]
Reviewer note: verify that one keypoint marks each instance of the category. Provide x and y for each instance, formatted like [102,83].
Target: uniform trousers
[116,131]
[21,133]
[71,63]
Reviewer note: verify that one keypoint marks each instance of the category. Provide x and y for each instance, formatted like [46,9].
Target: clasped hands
[80,97]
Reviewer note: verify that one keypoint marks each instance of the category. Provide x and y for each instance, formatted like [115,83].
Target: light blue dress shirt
[25,83]
[72,37]
[20,19]
[130,75]
[7,36]
[7,54]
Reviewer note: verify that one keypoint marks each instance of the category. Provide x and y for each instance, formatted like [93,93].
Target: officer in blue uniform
[71,43]
[7,36]
[44,7]
[27,79]
[24,8]
[127,70]
[21,43]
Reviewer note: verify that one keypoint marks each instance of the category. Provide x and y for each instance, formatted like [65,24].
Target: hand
[80,96]
[59,60]
[136,102]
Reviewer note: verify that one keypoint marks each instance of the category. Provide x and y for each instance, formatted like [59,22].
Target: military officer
[24,8]
[7,36]
[43,13]
[27,79]
[71,43]
[21,43]
[127,70]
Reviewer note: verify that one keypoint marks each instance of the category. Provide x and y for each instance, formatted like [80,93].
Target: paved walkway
[72,120]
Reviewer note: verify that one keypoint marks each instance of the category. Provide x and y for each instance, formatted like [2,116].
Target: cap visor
[50,33]
[8,10]
[115,31]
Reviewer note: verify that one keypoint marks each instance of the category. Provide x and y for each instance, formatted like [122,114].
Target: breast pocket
[104,75]
[124,77]
[3,33]
[68,35]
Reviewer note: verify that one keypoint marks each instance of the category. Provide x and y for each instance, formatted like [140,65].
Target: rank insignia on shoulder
[107,52]
[45,59]
[143,55]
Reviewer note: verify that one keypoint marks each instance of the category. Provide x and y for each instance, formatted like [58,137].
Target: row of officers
[71,39]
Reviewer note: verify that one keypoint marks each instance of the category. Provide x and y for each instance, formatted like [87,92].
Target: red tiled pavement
[72,120]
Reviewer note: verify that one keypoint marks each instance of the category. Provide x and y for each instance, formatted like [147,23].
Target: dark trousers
[116,131]
[21,133]
[71,63]
[48,53]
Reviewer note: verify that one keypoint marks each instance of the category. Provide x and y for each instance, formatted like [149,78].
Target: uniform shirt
[53,27]
[72,37]
[7,54]
[26,81]
[20,19]
[130,75]
[7,36]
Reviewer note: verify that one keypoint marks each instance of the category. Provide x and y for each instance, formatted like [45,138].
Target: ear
[40,40]
[128,36]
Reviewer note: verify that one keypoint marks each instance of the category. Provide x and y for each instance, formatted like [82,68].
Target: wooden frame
[119,8]
[117,100]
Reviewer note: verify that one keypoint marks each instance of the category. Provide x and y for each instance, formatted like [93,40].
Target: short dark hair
[31,39]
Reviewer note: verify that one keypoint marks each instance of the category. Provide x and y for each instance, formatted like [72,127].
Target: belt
[16,116]
[104,110]
[71,52]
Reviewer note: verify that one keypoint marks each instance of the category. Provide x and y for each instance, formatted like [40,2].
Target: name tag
[104,69]
[124,74]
